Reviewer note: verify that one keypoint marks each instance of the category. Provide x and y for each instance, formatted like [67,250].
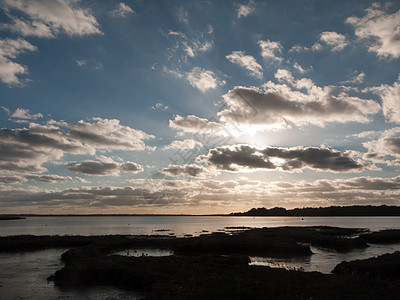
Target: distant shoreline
[331,211]
[5,218]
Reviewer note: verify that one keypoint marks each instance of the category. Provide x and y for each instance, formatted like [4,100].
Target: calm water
[178,225]
[24,275]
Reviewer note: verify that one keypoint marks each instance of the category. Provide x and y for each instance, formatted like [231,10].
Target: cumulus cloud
[26,150]
[185,144]
[383,146]
[390,95]
[122,10]
[9,69]
[244,157]
[335,40]
[246,61]
[277,105]
[380,29]
[203,79]
[190,170]
[244,10]
[299,68]
[105,166]
[195,124]
[22,113]
[106,134]
[48,18]
[269,50]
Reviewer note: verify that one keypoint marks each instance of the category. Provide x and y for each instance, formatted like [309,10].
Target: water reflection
[323,260]
[178,225]
[145,252]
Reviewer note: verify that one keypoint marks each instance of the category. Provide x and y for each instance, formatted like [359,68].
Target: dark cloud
[50,178]
[103,168]
[191,170]
[107,134]
[11,179]
[241,157]
[278,104]
[26,150]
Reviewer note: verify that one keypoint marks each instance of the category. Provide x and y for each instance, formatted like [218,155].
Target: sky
[198,107]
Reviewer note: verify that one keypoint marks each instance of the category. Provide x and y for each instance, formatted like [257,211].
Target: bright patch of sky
[198,107]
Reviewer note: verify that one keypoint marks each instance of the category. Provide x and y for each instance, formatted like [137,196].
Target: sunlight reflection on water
[323,260]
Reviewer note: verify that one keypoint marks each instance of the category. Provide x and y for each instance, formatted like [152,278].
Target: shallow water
[24,276]
[178,225]
[323,260]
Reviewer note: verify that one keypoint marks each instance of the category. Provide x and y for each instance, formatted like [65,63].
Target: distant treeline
[356,210]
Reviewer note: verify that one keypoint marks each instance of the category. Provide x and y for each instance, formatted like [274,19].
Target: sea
[24,275]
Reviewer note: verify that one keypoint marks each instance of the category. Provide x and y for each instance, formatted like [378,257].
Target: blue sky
[198,106]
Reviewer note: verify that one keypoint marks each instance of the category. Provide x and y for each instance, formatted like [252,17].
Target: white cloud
[185,144]
[299,68]
[191,47]
[9,50]
[22,113]
[195,124]
[81,62]
[48,18]
[390,96]
[384,147]
[283,75]
[356,79]
[246,61]
[380,29]
[172,72]
[315,47]
[183,15]
[268,49]
[159,106]
[122,10]
[244,10]
[335,40]
[203,79]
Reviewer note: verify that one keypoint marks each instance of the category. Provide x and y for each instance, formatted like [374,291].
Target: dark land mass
[216,266]
[381,267]
[331,211]
[6,217]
